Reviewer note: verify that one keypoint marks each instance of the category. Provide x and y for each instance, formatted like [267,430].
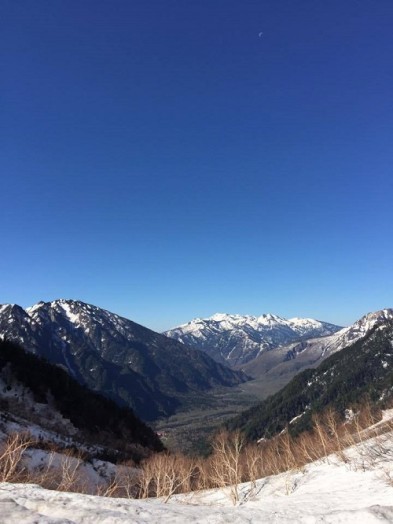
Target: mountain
[365,367]
[126,362]
[44,399]
[291,358]
[236,339]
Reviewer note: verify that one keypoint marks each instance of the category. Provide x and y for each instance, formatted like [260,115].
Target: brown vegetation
[231,462]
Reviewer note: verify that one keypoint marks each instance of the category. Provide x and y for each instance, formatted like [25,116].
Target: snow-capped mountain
[110,354]
[296,356]
[352,364]
[238,339]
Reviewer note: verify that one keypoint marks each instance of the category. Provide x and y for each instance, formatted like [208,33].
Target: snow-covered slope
[325,491]
[237,339]
[52,436]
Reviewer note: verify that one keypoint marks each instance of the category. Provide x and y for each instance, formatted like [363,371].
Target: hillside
[44,395]
[326,491]
[124,361]
[341,381]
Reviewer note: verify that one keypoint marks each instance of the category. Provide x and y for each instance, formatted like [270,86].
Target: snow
[91,474]
[239,339]
[218,317]
[64,351]
[327,491]
[233,321]
[32,309]
[324,346]
[75,319]
[296,418]
[321,341]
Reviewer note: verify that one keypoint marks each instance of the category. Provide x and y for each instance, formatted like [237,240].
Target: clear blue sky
[164,160]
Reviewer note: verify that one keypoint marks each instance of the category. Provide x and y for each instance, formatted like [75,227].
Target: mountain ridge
[316,349]
[238,339]
[364,368]
[113,355]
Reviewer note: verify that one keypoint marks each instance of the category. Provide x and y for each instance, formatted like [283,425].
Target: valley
[191,428]
[72,374]
[185,394]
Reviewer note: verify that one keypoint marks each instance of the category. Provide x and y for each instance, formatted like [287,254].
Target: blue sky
[164,160]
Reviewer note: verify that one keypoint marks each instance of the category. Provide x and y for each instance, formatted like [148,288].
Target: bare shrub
[323,436]
[226,463]
[163,475]
[272,459]
[126,481]
[252,463]
[306,448]
[69,470]
[45,475]
[202,477]
[232,460]
[288,452]
[337,435]
[11,454]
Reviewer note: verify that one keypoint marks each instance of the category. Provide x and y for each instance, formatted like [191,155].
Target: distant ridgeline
[237,340]
[363,370]
[100,420]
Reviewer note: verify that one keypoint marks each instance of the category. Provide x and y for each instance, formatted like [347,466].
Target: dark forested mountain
[365,368]
[238,339]
[126,362]
[46,395]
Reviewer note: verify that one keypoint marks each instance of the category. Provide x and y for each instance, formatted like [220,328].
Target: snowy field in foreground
[323,492]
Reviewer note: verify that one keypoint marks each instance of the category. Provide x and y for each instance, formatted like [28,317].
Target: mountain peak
[370,320]
[12,309]
[218,317]
[237,339]
[380,315]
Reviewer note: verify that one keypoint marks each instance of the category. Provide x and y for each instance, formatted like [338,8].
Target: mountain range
[157,375]
[290,358]
[238,339]
[124,361]
[271,349]
[364,367]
